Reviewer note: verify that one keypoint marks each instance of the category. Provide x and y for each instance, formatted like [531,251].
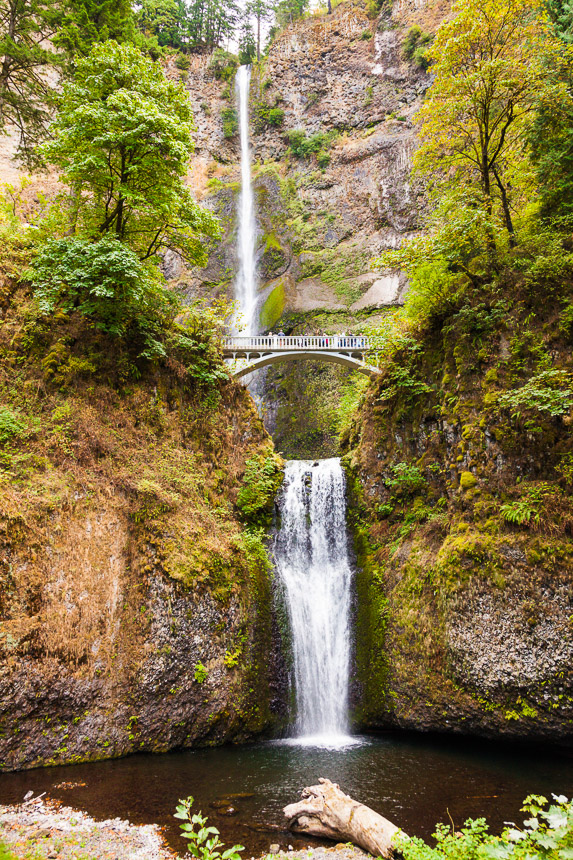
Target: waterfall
[246,321]
[313,567]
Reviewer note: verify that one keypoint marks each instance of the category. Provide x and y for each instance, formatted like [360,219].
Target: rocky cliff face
[464,528]
[343,77]
[135,598]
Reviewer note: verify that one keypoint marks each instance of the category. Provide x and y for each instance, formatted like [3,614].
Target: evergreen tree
[246,38]
[26,26]
[87,22]
[167,20]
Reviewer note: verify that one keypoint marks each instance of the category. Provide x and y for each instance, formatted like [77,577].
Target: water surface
[414,781]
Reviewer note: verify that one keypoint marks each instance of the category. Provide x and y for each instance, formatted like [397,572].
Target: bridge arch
[316,355]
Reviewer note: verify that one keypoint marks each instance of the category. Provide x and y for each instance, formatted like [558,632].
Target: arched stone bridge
[262,350]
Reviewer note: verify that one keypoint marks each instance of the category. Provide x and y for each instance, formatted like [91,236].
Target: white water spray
[313,566]
[246,320]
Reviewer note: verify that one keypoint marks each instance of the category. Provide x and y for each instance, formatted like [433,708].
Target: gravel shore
[40,828]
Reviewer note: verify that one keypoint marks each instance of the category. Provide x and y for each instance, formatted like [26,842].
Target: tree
[261,11]
[287,11]
[122,140]
[246,41]
[211,21]
[489,63]
[165,19]
[26,26]
[551,137]
[86,22]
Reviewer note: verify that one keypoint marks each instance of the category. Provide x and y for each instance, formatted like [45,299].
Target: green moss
[274,306]
[467,480]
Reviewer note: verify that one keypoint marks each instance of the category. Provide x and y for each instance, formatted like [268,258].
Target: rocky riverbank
[51,831]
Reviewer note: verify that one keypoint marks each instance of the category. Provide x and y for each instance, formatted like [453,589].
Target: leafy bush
[11,425]
[303,146]
[230,122]
[182,62]
[406,480]
[550,391]
[200,674]
[223,64]
[323,159]
[546,835]
[434,291]
[276,116]
[104,281]
[204,842]
[415,44]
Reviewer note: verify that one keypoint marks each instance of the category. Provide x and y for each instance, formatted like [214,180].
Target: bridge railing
[302,342]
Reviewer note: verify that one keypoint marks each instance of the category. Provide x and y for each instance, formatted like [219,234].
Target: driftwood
[327,812]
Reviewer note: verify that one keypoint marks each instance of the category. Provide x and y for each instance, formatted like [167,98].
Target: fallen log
[327,812]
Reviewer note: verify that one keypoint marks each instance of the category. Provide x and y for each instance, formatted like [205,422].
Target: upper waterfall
[312,561]
[246,320]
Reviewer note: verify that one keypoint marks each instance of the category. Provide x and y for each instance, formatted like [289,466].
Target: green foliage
[103,280]
[415,44]
[122,142]
[302,146]
[546,835]
[230,122]
[11,425]
[262,478]
[534,505]
[323,159]
[86,22]
[164,19]
[434,291]
[231,658]
[549,392]
[406,480]
[223,65]
[5,853]
[200,674]
[288,11]
[204,842]
[25,30]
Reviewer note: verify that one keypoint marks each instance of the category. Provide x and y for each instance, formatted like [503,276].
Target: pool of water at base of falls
[413,780]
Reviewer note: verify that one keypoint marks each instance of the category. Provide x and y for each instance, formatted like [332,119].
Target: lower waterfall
[313,568]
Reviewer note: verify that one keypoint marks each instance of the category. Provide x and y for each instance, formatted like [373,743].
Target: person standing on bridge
[281,336]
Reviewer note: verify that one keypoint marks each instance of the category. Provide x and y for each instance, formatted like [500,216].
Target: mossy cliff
[460,471]
[135,588]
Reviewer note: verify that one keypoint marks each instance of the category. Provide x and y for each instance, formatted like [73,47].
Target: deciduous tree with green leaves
[122,140]
[489,63]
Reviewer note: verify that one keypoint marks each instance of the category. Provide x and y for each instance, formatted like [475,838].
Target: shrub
[303,146]
[230,122]
[407,479]
[104,281]
[323,159]
[546,835]
[201,673]
[415,45]
[182,62]
[276,116]
[204,842]
[223,65]
[550,392]
[11,426]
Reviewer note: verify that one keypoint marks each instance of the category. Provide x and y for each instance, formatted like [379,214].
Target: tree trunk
[327,812]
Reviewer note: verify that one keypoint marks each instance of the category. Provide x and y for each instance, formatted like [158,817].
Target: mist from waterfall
[313,567]
[246,318]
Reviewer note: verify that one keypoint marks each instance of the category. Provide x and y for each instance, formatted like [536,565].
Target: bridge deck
[243,347]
